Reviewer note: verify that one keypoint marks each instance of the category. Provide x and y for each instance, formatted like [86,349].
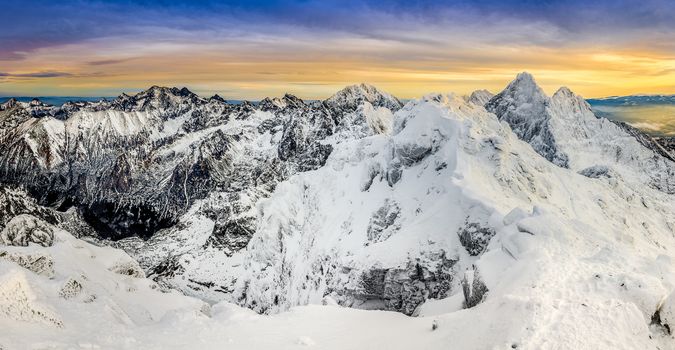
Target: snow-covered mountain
[565,131]
[516,220]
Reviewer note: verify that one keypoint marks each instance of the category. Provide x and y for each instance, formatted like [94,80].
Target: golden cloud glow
[269,66]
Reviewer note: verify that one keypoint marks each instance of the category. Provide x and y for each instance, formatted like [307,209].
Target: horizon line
[9,96]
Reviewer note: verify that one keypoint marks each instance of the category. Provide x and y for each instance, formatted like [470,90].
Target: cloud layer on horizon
[256,48]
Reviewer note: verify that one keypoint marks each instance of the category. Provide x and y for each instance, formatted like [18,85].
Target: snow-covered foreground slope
[73,295]
[440,211]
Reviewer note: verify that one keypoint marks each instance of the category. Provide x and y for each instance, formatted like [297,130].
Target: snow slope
[555,283]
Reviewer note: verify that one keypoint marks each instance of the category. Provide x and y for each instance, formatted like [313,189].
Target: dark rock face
[24,229]
[523,106]
[232,235]
[406,155]
[16,202]
[597,171]
[383,222]
[114,221]
[168,268]
[404,289]
[475,237]
[668,143]
[473,287]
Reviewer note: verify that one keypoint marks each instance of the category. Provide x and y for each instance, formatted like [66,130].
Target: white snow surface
[575,263]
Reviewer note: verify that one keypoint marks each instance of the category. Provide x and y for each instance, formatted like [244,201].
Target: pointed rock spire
[480,97]
[217,98]
[524,106]
[574,105]
[564,91]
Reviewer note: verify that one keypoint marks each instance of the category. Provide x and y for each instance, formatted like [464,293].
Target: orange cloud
[266,65]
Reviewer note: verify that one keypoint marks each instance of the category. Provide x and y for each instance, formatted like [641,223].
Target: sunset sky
[253,49]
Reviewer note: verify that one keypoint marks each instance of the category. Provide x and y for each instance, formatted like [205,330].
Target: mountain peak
[524,84]
[564,91]
[185,92]
[480,97]
[218,98]
[353,95]
[292,99]
[362,89]
[522,90]
[524,106]
[8,104]
[35,102]
[157,90]
[158,97]
[154,90]
[525,77]
[573,104]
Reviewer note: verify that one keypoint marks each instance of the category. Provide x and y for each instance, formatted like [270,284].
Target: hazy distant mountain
[652,114]
[55,100]
[633,100]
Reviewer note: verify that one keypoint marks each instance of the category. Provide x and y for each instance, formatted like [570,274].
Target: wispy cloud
[653,126]
[108,62]
[36,75]
[49,23]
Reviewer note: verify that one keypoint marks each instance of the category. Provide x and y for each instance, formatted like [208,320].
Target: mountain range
[634,100]
[515,220]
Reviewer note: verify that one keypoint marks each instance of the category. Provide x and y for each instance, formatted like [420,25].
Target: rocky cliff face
[525,107]
[667,143]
